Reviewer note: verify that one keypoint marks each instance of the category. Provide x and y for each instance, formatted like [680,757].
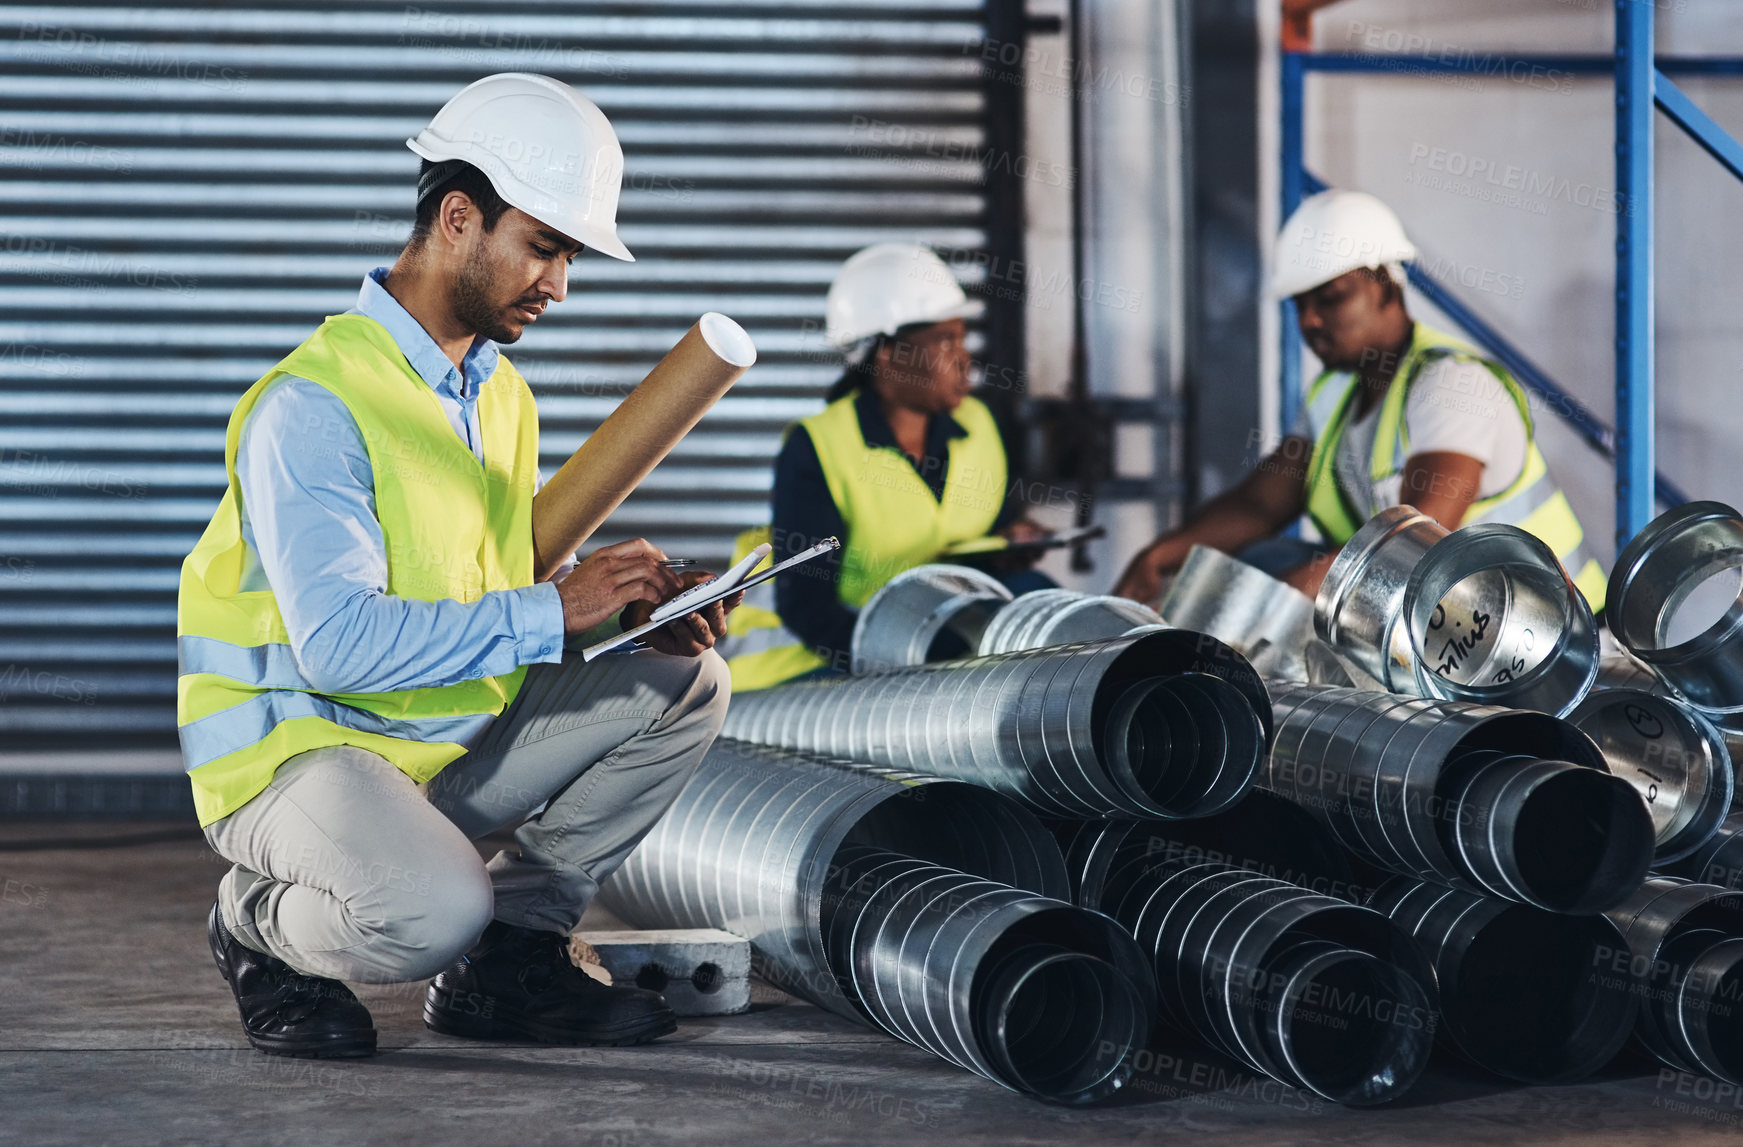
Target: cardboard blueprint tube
[674,396]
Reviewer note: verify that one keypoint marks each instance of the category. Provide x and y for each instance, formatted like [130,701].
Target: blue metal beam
[1292,179]
[1514,68]
[1634,301]
[1687,115]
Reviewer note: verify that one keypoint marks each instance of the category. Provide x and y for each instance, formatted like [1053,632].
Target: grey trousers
[345,868]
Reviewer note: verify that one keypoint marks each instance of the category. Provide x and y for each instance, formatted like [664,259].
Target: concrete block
[700,971]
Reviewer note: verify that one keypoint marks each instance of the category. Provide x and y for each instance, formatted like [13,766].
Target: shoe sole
[515,1027]
[336,1046]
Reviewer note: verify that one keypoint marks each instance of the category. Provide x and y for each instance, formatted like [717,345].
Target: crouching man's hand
[689,635]
[610,578]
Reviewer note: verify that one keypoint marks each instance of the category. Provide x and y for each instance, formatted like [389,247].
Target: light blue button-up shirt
[308,518]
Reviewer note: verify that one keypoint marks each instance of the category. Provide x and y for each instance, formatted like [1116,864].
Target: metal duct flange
[1317,992]
[1683,559]
[1527,994]
[1686,941]
[1674,757]
[1163,724]
[1516,804]
[1064,617]
[1039,994]
[928,613]
[1265,620]
[1360,605]
[767,844]
[1494,619]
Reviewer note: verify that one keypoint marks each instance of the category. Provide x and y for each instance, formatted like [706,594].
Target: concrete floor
[115,1027]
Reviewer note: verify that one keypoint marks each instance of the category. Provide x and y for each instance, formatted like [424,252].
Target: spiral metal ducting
[1516,804]
[1266,621]
[1309,989]
[1674,757]
[1359,609]
[1719,859]
[1492,618]
[1162,724]
[1064,617]
[1263,833]
[1519,990]
[1685,559]
[1686,941]
[774,846]
[929,613]
[1037,993]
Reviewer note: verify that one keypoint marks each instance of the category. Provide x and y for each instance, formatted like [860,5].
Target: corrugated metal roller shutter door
[184,192]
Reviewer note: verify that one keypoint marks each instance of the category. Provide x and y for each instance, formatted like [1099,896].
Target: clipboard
[993,544]
[714,595]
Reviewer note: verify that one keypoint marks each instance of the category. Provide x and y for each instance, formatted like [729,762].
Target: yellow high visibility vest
[894,523]
[453,528]
[1532,501]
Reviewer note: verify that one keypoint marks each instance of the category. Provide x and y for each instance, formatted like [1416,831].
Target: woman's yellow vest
[894,523]
[1533,501]
[454,528]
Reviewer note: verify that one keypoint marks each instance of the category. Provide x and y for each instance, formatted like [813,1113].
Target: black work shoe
[519,984]
[285,1012]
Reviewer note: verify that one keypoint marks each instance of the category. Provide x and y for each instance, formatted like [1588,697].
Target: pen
[678,563]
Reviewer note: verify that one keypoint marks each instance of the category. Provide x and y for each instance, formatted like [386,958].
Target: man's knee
[423,921]
[712,689]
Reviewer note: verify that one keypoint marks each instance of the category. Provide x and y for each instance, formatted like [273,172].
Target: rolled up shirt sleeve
[308,517]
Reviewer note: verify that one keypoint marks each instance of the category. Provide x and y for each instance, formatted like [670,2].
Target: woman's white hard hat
[888,286]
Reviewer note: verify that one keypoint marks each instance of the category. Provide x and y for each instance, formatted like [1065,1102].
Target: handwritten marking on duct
[1458,646]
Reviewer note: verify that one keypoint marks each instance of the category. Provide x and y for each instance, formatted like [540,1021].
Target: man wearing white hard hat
[902,463]
[1401,414]
[371,677]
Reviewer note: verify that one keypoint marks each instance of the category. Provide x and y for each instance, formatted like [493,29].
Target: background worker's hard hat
[1333,233]
[886,287]
[545,147]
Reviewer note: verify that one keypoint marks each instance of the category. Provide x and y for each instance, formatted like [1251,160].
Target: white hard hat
[886,287]
[1333,233]
[546,149]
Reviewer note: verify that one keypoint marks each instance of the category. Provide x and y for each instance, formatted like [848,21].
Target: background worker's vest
[1533,501]
[893,524]
[453,528]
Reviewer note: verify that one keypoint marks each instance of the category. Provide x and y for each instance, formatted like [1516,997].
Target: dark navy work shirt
[807,598]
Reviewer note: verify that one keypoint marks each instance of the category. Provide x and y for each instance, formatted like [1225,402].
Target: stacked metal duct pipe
[1719,860]
[1034,992]
[929,613]
[1264,833]
[1267,622]
[1309,989]
[1518,805]
[1485,614]
[925,906]
[1686,941]
[1162,724]
[1527,994]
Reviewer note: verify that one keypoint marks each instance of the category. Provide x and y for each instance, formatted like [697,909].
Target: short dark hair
[454,175]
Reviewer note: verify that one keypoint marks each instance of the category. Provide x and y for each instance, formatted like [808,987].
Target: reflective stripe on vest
[1532,501]
[452,528]
[894,523]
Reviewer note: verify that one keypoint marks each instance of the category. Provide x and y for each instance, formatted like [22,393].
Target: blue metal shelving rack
[1642,82]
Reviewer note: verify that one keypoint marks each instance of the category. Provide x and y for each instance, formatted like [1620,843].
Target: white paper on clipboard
[716,593]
